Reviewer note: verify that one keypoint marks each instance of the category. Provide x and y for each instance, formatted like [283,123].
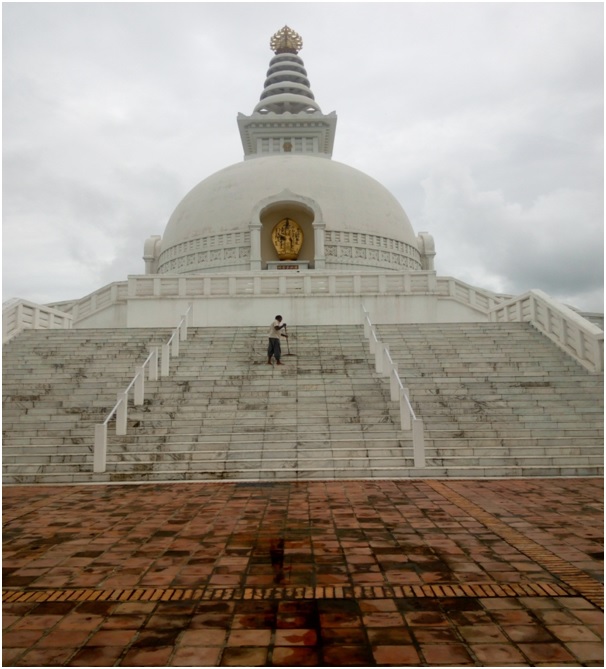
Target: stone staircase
[496,400]
[499,399]
[223,413]
[56,385]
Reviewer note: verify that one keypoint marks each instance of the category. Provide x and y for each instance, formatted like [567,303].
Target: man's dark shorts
[274,348]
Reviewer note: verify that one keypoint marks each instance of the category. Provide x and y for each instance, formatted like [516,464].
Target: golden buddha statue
[287,238]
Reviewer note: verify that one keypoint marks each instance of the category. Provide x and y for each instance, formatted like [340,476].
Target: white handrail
[385,365]
[578,337]
[120,409]
[22,315]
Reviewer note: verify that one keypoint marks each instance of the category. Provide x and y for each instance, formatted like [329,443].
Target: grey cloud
[484,119]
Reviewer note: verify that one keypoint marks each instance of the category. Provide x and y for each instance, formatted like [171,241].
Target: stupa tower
[287,117]
[287,205]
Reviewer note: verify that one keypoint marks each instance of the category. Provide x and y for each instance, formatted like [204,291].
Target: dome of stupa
[347,219]
[365,225]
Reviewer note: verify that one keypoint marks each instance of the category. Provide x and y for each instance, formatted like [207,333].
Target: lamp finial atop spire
[286,41]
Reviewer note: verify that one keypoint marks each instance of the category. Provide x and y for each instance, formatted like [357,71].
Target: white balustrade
[579,338]
[385,365]
[265,283]
[120,409]
[23,315]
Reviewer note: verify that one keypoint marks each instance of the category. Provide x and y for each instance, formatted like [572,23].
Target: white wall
[297,310]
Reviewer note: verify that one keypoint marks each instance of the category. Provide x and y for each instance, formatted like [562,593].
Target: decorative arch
[282,204]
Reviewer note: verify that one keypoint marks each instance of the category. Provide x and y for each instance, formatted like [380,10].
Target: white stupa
[347,219]
[289,230]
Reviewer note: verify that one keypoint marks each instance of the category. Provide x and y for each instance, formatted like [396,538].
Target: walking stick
[287,342]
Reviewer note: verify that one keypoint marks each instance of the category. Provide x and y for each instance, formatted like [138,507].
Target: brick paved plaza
[351,573]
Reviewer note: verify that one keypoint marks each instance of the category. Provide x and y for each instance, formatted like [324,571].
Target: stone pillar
[319,234]
[255,245]
[427,249]
[151,254]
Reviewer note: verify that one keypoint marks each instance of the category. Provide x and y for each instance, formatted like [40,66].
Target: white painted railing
[385,366]
[23,315]
[120,410]
[268,283]
[581,339]
[104,298]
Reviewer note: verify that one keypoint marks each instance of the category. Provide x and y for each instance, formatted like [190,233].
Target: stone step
[220,382]
[384,447]
[358,467]
[320,474]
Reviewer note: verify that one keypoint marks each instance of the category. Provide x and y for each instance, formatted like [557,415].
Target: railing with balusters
[120,409]
[574,334]
[23,315]
[264,283]
[385,366]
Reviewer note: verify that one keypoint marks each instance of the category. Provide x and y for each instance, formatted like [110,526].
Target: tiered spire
[287,93]
[286,88]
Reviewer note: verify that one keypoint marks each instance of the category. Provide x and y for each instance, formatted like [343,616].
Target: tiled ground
[419,573]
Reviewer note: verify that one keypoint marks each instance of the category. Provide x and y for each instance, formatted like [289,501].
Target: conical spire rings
[286,87]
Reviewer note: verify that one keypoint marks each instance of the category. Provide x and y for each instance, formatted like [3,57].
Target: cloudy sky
[485,121]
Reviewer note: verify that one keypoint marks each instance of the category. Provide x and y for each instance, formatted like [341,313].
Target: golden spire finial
[286,41]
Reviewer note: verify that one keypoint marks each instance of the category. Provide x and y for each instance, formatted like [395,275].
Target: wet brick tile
[289,656]
[497,654]
[527,633]
[389,636]
[397,656]
[111,638]
[296,637]
[20,638]
[195,656]
[41,657]
[105,656]
[447,654]
[482,634]
[64,639]
[244,657]
[147,657]
[587,651]
[258,637]
[435,635]
[546,652]
[347,655]
[368,534]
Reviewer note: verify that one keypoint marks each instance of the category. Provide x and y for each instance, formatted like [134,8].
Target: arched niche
[269,212]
